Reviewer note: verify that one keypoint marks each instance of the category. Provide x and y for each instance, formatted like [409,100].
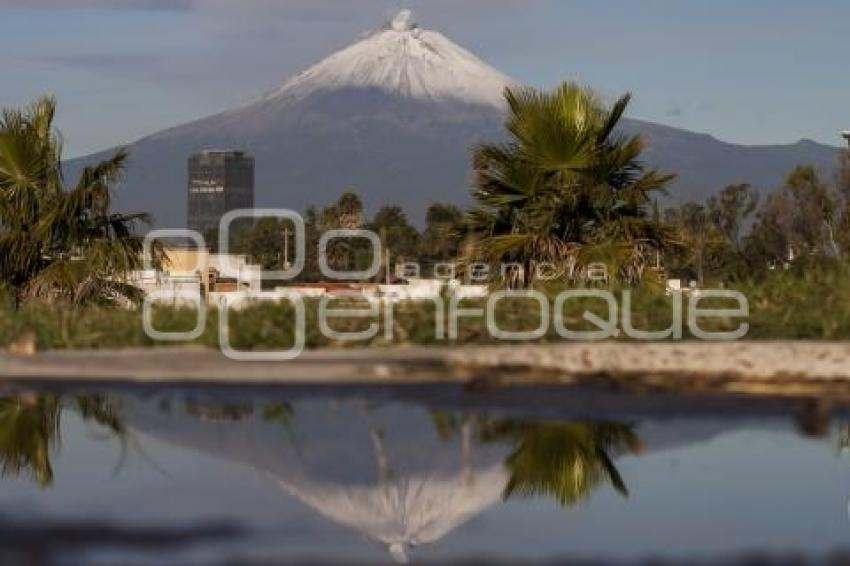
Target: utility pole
[286,233]
[383,237]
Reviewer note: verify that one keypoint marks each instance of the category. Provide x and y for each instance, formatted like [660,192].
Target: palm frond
[566,180]
[59,243]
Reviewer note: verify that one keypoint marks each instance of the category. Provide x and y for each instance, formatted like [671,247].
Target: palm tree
[346,214]
[349,209]
[444,233]
[60,243]
[566,189]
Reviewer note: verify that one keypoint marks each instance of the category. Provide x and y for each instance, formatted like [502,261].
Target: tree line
[439,241]
[565,188]
[740,234]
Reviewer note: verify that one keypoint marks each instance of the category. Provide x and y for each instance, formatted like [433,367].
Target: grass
[810,305]
[813,305]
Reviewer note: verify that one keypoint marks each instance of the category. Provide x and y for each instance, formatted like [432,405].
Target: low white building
[225,280]
[188,272]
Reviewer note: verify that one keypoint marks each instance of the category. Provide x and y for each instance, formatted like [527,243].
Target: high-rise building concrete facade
[219,181]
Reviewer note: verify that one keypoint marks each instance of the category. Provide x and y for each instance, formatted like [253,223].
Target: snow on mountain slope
[404,60]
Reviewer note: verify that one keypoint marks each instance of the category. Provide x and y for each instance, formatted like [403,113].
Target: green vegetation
[60,244]
[804,224]
[784,304]
[440,241]
[566,190]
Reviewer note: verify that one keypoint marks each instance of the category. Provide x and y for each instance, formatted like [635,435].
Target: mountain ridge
[394,116]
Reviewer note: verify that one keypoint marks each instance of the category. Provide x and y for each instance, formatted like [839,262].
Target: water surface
[429,474]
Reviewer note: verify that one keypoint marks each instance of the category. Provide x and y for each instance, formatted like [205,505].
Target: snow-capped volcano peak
[403,21]
[400,58]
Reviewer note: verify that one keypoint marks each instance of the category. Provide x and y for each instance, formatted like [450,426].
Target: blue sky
[747,71]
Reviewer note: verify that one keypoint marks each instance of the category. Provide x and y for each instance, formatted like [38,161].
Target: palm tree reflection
[565,461]
[30,431]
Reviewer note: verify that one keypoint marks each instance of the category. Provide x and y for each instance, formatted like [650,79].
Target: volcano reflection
[401,475]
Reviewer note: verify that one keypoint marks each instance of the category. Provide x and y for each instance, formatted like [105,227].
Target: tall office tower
[219,181]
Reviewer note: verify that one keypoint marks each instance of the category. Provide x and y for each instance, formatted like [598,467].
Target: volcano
[393,117]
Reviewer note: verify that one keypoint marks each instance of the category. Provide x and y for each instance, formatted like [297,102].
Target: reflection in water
[402,475]
[29,430]
[565,461]
[562,460]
